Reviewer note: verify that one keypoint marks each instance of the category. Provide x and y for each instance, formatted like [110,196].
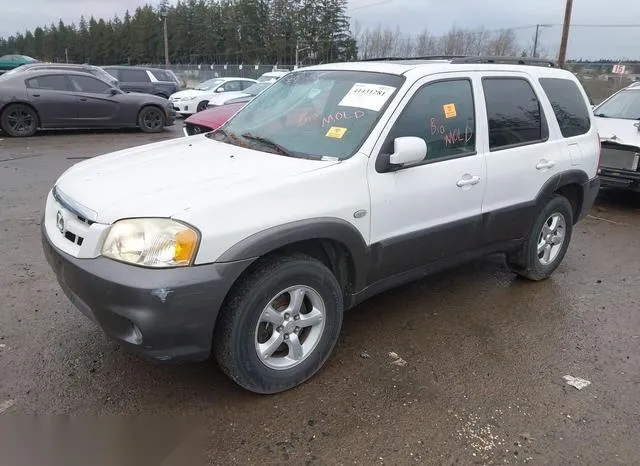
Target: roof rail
[465,59]
[507,61]
[427,57]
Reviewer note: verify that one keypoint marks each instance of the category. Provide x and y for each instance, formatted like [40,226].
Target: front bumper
[186,107]
[618,178]
[162,314]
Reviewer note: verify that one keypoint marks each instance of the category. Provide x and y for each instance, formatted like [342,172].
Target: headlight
[151,242]
[189,98]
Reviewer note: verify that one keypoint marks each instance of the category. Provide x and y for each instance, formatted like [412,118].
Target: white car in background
[618,121]
[191,101]
[272,76]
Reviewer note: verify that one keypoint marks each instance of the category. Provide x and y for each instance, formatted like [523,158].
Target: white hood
[619,130]
[168,177]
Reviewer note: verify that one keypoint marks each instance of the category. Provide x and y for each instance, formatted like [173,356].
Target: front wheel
[202,105]
[151,120]
[547,243]
[280,324]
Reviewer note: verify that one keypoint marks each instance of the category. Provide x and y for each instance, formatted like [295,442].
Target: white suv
[336,183]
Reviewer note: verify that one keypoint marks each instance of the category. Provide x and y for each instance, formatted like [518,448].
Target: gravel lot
[485,352]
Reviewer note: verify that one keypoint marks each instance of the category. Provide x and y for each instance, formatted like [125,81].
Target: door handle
[545,164]
[36,95]
[83,100]
[468,180]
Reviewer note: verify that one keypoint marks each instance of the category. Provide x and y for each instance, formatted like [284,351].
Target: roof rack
[465,59]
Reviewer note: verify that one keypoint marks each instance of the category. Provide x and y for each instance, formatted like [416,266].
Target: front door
[96,106]
[430,211]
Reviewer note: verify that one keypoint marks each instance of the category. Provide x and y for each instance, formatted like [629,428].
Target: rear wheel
[151,120]
[548,241]
[280,324]
[19,120]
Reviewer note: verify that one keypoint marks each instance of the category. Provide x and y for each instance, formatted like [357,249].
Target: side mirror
[220,89]
[114,91]
[407,150]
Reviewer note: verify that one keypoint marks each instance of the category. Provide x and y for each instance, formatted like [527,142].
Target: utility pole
[166,40]
[66,54]
[535,41]
[565,34]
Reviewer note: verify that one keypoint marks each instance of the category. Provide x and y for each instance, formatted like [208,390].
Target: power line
[360,7]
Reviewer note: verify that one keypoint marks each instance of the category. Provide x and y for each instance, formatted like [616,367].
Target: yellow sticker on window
[449,110]
[336,132]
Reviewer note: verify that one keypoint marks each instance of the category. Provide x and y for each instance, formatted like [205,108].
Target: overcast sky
[412,16]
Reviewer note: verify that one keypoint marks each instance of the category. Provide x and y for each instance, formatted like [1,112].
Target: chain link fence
[190,75]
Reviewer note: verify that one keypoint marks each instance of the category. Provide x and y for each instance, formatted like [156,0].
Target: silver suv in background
[154,81]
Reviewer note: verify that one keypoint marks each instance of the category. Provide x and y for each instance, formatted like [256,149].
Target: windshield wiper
[268,142]
[602,115]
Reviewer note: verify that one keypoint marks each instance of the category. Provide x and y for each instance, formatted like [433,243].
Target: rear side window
[56,82]
[514,113]
[133,76]
[568,105]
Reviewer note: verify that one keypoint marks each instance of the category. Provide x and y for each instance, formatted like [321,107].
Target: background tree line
[200,31]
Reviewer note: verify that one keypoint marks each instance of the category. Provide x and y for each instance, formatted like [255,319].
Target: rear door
[524,153]
[54,100]
[96,106]
[135,80]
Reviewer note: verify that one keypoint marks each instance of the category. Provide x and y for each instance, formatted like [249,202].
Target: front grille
[193,129]
[622,159]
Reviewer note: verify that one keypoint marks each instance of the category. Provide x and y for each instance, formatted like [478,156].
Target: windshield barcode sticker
[369,96]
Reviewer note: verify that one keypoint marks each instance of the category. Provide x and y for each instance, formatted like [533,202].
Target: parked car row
[66,99]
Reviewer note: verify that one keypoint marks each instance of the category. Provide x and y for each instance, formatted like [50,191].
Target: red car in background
[210,119]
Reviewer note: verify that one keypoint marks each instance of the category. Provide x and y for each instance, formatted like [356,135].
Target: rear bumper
[590,190]
[162,314]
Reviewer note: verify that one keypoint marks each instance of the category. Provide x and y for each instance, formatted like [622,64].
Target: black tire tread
[525,262]
[258,277]
[3,124]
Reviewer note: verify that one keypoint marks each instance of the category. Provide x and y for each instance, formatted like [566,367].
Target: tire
[151,120]
[19,120]
[547,243]
[242,331]
[202,105]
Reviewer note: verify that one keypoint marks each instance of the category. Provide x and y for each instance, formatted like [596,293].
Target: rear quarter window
[568,105]
[134,76]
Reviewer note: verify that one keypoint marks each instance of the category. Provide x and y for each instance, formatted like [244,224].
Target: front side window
[443,114]
[514,113]
[232,86]
[57,82]
[88,84]
[568,105]
[313,114]
[624,105]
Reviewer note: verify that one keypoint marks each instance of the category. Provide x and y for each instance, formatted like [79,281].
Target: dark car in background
[146,80]
[94,70]
[9,62]
[39,99]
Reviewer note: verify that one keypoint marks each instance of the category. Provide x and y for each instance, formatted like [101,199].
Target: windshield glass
[625,105]
[313,114]
[206,85]
[256,89]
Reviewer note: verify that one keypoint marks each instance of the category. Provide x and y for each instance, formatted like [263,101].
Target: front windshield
[313,114]
[206,85]
[625,105]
